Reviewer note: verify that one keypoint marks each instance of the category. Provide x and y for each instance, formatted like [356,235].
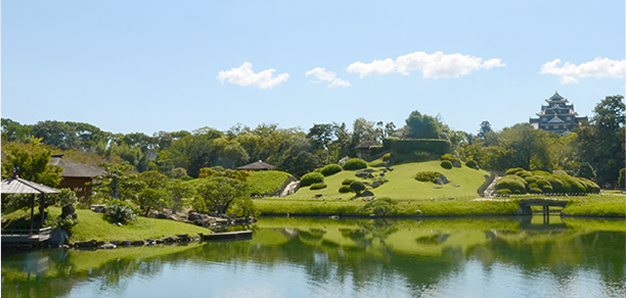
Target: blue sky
[146,66]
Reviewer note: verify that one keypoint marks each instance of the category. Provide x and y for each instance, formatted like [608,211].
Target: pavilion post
[32,214]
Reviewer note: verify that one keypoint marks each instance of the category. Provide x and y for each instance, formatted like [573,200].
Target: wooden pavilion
[16,185]
[76,175]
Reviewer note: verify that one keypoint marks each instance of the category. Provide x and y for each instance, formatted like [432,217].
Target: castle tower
[558,117]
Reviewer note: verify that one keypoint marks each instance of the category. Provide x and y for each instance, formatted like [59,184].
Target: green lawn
[403,186]
[265,182]
[92,225]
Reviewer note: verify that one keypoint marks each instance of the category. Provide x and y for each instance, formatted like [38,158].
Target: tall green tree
[32,160]
[219,193]
[601,141]
[422,126]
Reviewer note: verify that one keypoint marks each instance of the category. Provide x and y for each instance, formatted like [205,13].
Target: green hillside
[401,185]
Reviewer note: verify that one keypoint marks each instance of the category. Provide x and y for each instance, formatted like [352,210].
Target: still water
[295,257]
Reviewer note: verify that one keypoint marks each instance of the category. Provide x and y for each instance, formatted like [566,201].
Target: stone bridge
[525,205]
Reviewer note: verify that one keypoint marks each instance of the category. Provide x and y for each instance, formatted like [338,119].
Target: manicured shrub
[530,179]
[357,187]
[504,191]
[386,157]
[590,186]
[121,211]
[544,185]
[524,174]
[449,157]
[319,185]
[427,176]
[330,169]
[557,184]
[354,164]
[472,164]
[512,171]
[535,190]
[570,184]
[310,178]
[446,164]
[514,183]
[347,181]
[345,189]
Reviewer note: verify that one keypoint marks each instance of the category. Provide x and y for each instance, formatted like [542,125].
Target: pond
[297,257]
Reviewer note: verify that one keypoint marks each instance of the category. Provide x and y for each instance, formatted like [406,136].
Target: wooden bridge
[525,205]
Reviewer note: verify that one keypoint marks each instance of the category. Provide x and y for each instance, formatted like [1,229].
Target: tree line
[597,145]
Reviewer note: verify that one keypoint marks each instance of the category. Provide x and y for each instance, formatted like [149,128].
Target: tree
[32,160]
[529,145]
[585,170]
[13,131]
[422,126]
[179,190]
[601,141]
[113,180]
[357,187]
[56,133]
[321,134]
[485,128]
[219,193]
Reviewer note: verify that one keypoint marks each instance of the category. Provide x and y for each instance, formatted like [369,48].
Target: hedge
[319,185]
[310,178]
[355,164]
[330,169]
[408,146]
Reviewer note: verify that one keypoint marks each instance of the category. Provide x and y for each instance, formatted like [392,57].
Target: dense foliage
[427,176]
[330,169]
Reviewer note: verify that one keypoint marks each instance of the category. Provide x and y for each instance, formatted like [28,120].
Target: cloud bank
[244,76]
[436,65]
[323,75]
[600,67]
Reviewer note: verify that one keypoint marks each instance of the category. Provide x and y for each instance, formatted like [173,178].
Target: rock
[58,237]
[366,193]
[418,211]
[115,242]
[127,243]
[68,210]
[160,215]
[390,168]
[456,163]
[382,174]
[442,179]
[98,208]
[108,246]
[335,217]
[138,243]
[376,184]
[368,170]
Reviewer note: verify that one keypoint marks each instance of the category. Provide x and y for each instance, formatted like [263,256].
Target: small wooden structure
[16,185]
[257,166]
[237,235]
[363,149]
[76,175]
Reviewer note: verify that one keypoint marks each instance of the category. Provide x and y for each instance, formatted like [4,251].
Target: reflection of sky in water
[238,279]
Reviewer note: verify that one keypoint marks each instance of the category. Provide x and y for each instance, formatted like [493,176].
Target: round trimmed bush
[557,184]
[514,183]
[427,176]
[449,157]
[590,186]
[446,164]
[319,185]
[512,171]
[531,179]
[544,185]
[345,189]
[472,164]
[504,191]
[347,181]
[330,169]
[354,164]
[310,178]
[570,184]
[357,187]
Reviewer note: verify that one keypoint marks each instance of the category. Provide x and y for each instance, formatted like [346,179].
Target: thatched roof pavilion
[257,166]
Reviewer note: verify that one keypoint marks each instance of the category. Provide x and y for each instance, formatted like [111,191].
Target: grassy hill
[464,182]
[266,182]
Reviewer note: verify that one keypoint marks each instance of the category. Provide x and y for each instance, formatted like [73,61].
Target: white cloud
[244,76]
[436,65]
[327,76]
[599,67]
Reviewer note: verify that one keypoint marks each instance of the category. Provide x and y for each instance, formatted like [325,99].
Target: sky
[149,66]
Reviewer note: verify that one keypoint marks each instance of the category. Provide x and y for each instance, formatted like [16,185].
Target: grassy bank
[92,225]
[463,207]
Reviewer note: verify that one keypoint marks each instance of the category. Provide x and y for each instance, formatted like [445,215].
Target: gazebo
[16,185]
[257,166]
[76,175]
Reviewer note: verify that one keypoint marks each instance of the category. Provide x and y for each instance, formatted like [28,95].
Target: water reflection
[347,258]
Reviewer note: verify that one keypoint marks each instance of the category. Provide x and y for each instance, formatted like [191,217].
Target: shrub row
[520,181]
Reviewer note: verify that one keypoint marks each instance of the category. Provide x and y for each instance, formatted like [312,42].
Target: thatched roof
[74,169]
[367,144]
[21,186]
[257,166]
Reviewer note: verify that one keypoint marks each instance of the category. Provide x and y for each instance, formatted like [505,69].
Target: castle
[558,117]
